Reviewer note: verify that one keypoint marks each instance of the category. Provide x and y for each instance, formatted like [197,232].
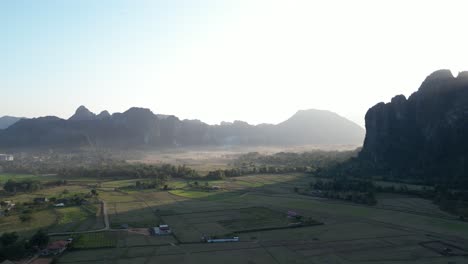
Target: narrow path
[105,214]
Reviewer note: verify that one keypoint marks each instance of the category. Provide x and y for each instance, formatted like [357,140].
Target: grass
[95,240]
[350,232]
[255,217]
[116,197]
[119,183]
[177,184]
[142,241]
[72,214]
[40,219]
[7,176]
[205,195]
[192,194]
[134,214]
[249,183]
[78,218]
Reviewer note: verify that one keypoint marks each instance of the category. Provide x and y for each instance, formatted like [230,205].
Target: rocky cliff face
[424,135]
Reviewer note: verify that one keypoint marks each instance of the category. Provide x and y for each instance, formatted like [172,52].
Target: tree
[370,198]
[16,250]
[10,186]
[318,185]
[40,239]
[8,238]
[25,217]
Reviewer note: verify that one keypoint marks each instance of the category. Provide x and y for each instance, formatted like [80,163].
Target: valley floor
[396,230]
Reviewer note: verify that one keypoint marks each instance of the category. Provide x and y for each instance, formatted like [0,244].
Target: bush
[25,217]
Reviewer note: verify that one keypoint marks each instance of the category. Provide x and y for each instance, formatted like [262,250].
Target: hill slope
[6,121]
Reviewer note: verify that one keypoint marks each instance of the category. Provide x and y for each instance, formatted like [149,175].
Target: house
[220,240]
[6,157]
[55,248]
[292,214]
[162,230]
[63,200]
[40,200]
[7,204]
[5,207]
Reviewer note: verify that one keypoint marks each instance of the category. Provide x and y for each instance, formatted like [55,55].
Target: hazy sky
[257,61]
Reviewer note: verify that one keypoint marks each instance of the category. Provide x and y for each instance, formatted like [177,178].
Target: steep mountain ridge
[424,135]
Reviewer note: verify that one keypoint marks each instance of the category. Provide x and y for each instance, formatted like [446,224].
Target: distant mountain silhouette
[139,127]
[325,126]
[104,114]
[82,113]
[6,121]
[424,136]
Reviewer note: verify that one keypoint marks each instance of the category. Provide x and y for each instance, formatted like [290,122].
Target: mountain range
[139,127]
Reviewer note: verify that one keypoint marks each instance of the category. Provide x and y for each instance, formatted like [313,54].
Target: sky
[258,61]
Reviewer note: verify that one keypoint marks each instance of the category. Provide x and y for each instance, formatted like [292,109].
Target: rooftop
[57,245]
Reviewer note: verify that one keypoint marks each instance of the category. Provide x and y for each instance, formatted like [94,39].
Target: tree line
[311,159]
[12,247]
[29,185]
[357,191]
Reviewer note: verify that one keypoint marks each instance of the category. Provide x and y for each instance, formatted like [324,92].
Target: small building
[6,157]
[5,207]
[40,200]
[55,248]
[221,240]
[59,205]
[162,230]
[6,203]
[317,193]
[293,214]
[63,200]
